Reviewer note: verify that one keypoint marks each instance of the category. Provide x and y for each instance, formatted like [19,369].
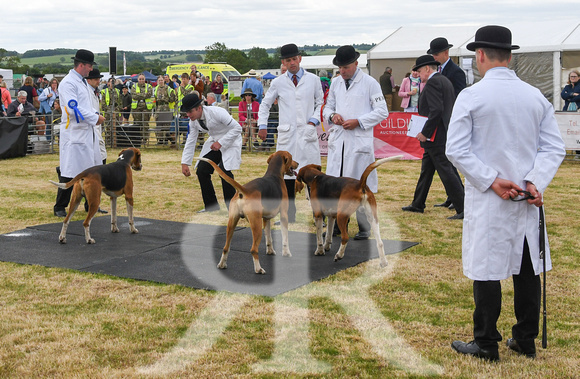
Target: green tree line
[255,58]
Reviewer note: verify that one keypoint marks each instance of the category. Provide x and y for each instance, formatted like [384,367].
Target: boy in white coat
[300,97]
[223,146]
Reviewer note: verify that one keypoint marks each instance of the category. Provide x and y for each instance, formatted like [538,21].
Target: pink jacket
[243,111]
[406,87]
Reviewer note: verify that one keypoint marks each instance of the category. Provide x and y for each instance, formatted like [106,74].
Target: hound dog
[114,179]
[259,201]
[338,199]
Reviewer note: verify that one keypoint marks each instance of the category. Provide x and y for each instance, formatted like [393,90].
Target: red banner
[391,137]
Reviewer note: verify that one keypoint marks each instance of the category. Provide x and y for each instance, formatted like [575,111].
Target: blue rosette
[73,104]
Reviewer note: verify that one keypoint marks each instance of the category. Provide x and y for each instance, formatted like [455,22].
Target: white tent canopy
[324,62]
[548,50]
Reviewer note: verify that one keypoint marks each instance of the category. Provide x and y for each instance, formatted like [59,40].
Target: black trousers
[204,171]
[62,196]
[434,158]
[527,299]
[290,187]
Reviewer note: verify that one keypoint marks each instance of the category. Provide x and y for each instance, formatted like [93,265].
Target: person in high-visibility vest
[108,94]
[185,88]
[164,105]
[142,94]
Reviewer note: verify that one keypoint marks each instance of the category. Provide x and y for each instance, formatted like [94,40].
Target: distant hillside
[38,61]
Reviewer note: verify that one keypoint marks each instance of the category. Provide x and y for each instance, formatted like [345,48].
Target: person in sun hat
[79,127]
[355,104]
[255,85]
[300,97]
[435,103]
[223,146]
[503,143]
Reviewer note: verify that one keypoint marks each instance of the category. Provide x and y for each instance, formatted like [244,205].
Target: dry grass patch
[63,323]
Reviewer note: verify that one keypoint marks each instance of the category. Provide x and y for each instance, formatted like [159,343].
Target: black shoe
[471,348]
[102,211]
[60,213]
[445,204]
[513,345]
[410,208]
[457,216]
[362,236]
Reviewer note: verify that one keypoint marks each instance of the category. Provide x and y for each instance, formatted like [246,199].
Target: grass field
[363,322]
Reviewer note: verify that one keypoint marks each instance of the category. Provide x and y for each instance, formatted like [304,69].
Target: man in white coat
[504,138]
[299,95]
[355,104]
[223,146]
[79,127]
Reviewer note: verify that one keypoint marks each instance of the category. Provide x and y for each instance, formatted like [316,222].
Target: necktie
[347,82]
[295,80]
[85,81]
[439,68]
[202,123]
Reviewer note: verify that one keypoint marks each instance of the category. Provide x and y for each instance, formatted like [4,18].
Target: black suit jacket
[456,75]
[436,103]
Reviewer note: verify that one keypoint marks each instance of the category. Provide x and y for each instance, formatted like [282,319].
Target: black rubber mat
[186,254]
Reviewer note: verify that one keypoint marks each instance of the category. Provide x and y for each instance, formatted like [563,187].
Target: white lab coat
[222,128]
[79,141]
[297,105]
[364,101]
[102,146]
[502,127]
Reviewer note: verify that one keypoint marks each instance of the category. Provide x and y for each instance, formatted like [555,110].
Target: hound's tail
[64,186]
[372,166]
[224,176]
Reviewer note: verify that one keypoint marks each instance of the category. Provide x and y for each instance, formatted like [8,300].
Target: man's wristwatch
[332,116]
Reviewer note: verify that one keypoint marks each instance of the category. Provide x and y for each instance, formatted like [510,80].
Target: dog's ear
[298,185]
[269,158]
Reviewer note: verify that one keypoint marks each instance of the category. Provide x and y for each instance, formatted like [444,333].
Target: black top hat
[189,102]
[438,45]
[94,74]
[248,91]
[84,56]
[425,60]
[496,37]
[345,55]
[288,51]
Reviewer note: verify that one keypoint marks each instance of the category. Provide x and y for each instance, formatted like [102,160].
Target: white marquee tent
[548,51]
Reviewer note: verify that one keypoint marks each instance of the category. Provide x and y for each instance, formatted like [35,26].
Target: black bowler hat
[288,51]
[189,102]
[84,56]
[345,55]
[438,45]
[425,60]
[94,74]
[496,37]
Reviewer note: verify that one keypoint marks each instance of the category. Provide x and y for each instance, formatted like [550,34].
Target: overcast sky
[149,25]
